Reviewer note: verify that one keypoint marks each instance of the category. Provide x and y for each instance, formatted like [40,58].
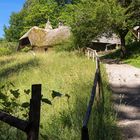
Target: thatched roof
[40,37]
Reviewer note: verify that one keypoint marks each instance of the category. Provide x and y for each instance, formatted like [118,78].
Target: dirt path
[125,84]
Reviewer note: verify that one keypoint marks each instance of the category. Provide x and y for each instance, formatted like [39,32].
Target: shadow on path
[125,83]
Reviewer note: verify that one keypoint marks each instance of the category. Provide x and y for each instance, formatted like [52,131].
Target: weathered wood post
[85,135]
[34,113]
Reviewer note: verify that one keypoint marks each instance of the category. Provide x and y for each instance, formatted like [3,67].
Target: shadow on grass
[6,61]
[16,68]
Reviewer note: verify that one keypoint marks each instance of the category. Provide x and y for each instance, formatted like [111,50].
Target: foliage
[36,13]
[7,48]
[9,100]
[93,18]
[132,57]
[89,22]
[133,54]
[66,45]
[88,19]
[13,32]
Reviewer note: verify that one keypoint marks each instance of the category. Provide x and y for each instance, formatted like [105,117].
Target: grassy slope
[66,73]
[133,57]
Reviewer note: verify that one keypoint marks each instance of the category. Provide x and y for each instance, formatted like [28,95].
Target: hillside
[66,73]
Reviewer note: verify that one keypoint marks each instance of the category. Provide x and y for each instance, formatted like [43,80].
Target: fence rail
[91,54]
[30,127]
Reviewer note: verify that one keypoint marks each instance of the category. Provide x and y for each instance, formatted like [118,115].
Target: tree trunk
[123,49]
[123,34]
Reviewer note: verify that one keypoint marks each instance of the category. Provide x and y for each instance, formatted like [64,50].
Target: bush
[7,48]
[66,46]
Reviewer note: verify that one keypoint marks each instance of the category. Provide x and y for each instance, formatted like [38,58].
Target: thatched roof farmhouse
[43,38]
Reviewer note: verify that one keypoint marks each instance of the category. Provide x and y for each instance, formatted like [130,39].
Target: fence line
[30,127]
[91,54]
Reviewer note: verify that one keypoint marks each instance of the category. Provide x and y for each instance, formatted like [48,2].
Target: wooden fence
[91,54]
[30,126]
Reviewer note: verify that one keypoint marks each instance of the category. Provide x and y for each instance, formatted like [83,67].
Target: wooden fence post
[85,135]
[34,113]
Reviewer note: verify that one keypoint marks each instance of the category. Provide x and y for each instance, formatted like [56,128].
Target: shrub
[7,48]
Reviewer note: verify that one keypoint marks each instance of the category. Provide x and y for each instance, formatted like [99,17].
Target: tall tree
[96,17]
[123,16]
[36,13]
[12,33]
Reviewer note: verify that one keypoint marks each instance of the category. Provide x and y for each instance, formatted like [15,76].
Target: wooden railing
[30,126]
[91,54]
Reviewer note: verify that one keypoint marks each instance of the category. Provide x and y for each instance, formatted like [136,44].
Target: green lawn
[67,73]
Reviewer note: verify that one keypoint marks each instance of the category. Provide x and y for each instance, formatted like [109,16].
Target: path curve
[124,81]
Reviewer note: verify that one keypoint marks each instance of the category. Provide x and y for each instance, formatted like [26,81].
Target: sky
[6,8]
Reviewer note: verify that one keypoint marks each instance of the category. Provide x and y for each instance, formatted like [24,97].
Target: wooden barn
[105,43]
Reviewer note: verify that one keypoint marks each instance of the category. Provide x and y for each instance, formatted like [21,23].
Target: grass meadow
[67,73]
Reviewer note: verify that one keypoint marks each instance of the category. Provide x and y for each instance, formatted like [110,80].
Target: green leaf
[47,101]
[2,96]
[12,84]
[2,87]
[56,94]
[7,104]
[25,115]
[27,91]
[15,93]
[14,104]
[68,96]
[25,105]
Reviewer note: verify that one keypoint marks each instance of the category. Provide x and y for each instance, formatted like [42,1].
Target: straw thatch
[39,37]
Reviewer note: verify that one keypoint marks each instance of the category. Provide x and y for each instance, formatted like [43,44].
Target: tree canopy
[36,13]
[93,18]
[88,18]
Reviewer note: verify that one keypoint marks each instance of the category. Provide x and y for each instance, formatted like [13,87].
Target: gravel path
[125,83]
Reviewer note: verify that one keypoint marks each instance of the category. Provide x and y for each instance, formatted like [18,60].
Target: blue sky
[6,8]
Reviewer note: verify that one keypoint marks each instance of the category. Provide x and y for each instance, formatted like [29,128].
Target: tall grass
[7,48]
[133,57]
[66,73]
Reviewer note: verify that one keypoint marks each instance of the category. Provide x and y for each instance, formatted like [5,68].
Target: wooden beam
[13,121]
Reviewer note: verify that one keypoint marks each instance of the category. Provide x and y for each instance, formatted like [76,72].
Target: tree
[123,16]
[36,13]
[16,22]
[94,18]
[90,21]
